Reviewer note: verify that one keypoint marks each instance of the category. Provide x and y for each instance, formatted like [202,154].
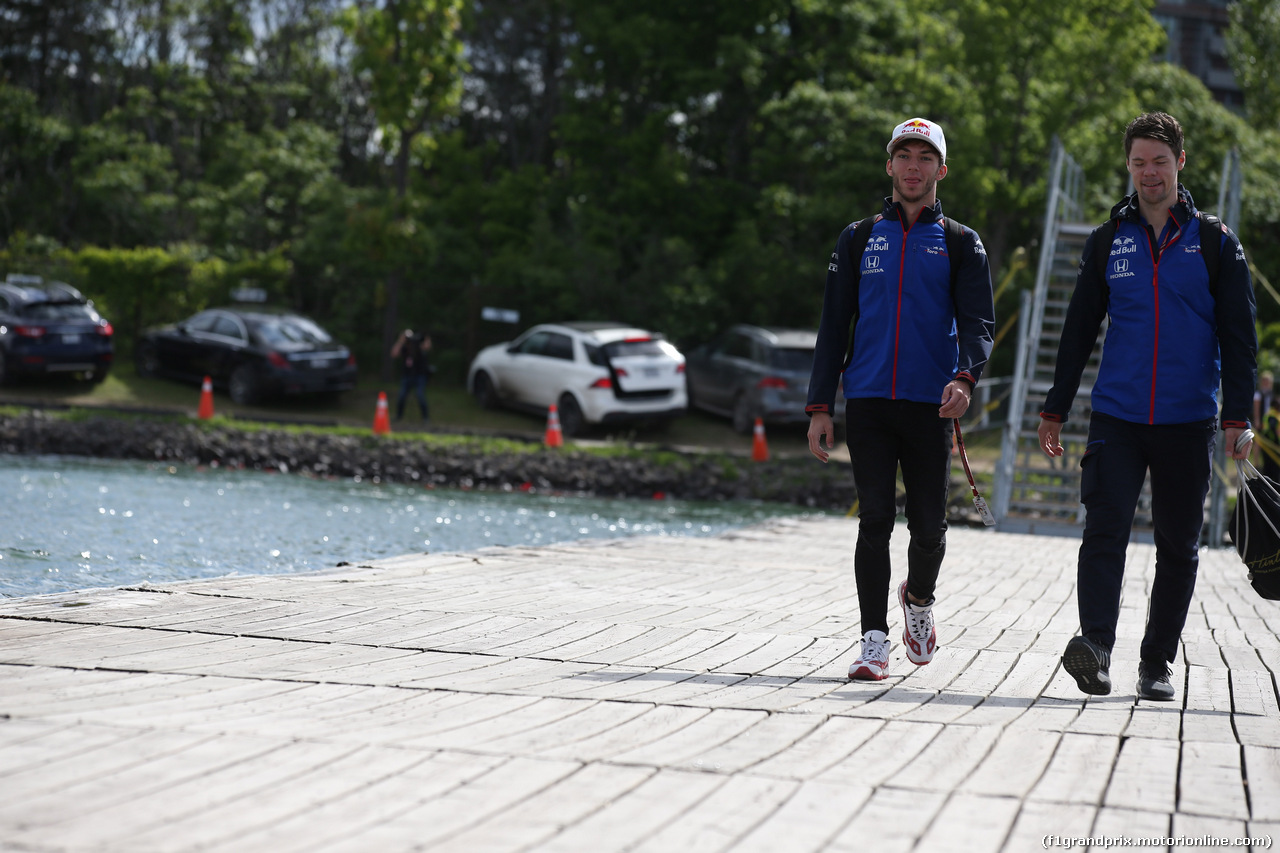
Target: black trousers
[884,435]
[1117,458]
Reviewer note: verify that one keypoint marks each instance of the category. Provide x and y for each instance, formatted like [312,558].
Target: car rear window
[59,311]
[290,330]
[791,359]
[625,349]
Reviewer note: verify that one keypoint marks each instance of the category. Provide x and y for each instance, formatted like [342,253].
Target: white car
[595,373]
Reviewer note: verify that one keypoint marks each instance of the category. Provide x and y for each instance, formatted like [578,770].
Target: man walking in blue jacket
[917,291]
[1174,332]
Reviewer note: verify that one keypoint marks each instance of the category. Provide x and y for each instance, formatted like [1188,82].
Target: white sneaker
[919,637]
[873,663]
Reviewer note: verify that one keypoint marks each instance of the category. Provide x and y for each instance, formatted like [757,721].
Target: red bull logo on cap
[919,128]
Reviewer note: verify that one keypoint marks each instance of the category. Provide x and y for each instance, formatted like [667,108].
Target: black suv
[49,327]
[253,352]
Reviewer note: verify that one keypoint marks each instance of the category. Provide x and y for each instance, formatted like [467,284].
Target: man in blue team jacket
[922,327]
[1173,334]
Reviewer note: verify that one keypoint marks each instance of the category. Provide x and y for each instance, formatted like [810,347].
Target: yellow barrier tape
[1257,274]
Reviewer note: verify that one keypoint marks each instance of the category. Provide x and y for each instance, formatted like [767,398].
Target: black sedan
[51,328]
[252,352]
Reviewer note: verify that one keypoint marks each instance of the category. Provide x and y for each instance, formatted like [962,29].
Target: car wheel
[743,418]
[571,421]
[4,369]
[147,363]
[482,390]
[244,385]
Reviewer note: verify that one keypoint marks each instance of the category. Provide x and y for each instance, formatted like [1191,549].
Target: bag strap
[1249,475]
[1211,250]
[857,245]
[861,234]
[1102,246]
[953,232]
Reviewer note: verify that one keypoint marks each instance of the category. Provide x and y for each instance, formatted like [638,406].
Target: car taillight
[277,360]
[680,368]
[602,382]
[351,360]
[105,330]
[772,382]
[620,371]
[30,331]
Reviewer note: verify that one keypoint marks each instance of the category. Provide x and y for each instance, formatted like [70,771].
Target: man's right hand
[1050,433]
[819,425]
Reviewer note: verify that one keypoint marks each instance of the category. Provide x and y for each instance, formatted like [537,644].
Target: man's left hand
[955,399]
[1231,436]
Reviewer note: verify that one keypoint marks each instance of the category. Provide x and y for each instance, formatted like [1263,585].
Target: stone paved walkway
[651,694]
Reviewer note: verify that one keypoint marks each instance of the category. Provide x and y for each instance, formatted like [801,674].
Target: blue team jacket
[912,334]
[1169,339]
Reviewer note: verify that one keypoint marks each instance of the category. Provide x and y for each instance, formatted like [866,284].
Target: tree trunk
[391,311]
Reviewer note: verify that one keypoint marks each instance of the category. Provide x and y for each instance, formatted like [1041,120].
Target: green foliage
[37,255]
[675,165]
[135,287]
[410,56]
[32,150]
[1253,46]
[125,184]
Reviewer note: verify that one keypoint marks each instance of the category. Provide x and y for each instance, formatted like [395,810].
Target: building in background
[1197,42]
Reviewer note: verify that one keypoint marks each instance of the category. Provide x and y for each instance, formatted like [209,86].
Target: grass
[453,410]
[454,416]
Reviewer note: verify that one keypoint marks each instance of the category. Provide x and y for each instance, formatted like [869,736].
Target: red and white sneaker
[873,663]
[919,637]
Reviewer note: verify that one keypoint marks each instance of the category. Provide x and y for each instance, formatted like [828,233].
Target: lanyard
[978,503]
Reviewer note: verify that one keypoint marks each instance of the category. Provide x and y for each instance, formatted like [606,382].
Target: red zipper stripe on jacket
[897,323]
[1156,255]
[897,320]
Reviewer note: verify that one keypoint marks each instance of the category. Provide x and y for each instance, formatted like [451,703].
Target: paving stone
[651,693]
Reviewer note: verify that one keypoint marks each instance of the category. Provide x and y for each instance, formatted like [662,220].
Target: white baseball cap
[919,128]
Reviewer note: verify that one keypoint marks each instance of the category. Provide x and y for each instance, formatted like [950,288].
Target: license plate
[71,339]
[651,372]
[319,363]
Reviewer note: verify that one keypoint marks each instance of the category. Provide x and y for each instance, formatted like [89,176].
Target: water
[72,523]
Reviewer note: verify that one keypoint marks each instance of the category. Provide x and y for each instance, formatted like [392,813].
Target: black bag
[1255,529]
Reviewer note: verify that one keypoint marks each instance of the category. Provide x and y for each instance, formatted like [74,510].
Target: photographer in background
[413,353]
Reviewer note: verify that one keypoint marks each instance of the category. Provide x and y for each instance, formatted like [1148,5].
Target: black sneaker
[1153,681]
[1088,663]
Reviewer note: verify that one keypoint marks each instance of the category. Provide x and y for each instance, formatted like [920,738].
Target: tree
[1253,49]
[410,55]
[1025,71]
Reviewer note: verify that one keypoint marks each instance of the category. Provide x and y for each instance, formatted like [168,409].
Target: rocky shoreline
[466,465]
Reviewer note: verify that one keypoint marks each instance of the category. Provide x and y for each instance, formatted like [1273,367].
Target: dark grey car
[751,372]
[49,328]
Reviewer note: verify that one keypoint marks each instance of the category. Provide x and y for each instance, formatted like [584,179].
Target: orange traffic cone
[206,400]
[381,420]
[759,449]
[555,438]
